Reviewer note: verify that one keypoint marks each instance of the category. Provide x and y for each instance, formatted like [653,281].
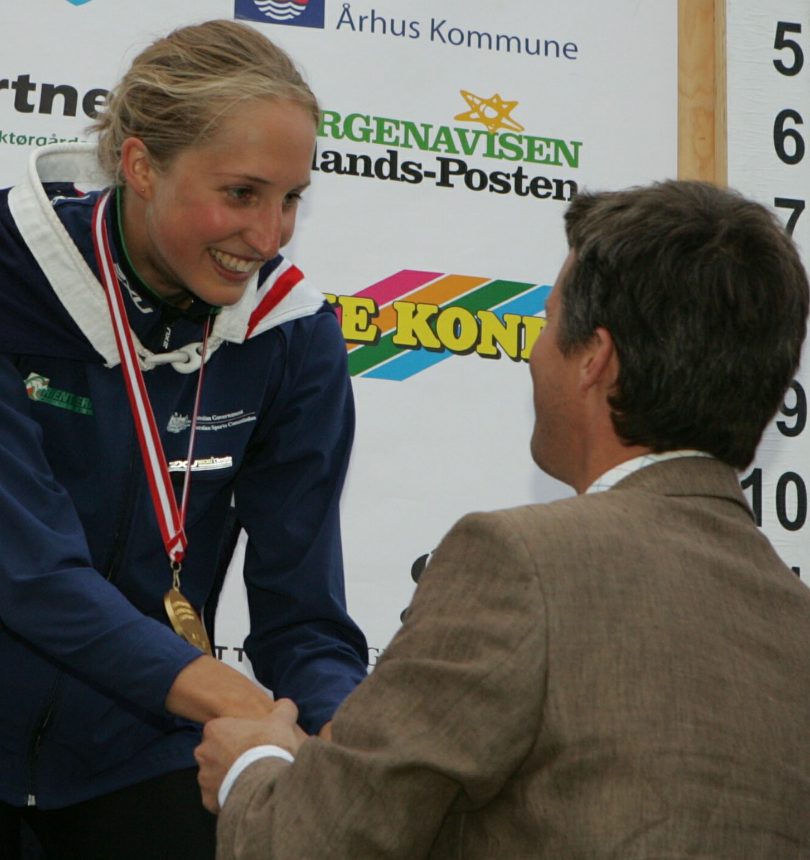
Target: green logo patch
[39,389]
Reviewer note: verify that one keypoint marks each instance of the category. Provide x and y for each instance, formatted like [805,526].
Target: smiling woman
[204,224]
[113,298]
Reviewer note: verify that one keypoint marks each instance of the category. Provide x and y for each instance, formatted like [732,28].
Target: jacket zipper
[112,567]
[121,531]
[36,742]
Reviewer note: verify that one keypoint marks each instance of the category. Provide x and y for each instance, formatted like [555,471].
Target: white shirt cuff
[247,758]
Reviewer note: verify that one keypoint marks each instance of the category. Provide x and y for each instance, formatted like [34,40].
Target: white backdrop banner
[768,102]
[454,134]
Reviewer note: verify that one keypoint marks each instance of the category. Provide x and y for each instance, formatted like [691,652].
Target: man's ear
[137,168]
[600,362]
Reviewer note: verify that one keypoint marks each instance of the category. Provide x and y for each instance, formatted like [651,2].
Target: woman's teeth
[231,263]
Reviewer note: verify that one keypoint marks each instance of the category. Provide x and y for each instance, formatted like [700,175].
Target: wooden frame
[702,139]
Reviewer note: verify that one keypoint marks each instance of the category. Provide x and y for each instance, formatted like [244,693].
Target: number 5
[781,42]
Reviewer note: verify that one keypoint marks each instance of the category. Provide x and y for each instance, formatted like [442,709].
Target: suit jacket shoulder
[616,675]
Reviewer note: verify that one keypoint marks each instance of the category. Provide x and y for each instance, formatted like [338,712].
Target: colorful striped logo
[413,320]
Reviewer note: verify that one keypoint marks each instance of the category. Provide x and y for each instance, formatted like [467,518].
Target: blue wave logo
[297,13]
[78,2]
[282,12]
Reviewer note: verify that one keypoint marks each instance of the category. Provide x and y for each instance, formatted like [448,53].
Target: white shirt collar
[613,476]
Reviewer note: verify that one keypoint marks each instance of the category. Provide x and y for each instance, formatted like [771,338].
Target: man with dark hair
[678,274]
[623,674]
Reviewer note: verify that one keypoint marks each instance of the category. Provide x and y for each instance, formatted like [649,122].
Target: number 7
[797,207]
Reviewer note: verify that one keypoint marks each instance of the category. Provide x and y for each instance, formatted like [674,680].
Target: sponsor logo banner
[413,320]
[442,155]
[295,13]
[454,34]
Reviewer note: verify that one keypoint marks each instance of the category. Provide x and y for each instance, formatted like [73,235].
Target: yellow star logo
[493,113]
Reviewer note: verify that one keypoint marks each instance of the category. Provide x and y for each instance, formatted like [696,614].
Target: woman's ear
[137,167]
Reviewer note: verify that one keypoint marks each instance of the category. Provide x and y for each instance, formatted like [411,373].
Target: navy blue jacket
[86,653]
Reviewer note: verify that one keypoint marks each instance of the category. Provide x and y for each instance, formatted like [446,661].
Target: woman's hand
[206,689]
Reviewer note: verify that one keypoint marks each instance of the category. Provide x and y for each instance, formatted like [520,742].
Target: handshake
[229,741]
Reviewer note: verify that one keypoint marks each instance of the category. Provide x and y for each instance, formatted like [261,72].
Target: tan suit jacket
[620,675]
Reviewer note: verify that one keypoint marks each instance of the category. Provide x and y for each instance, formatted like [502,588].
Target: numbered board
[768,73]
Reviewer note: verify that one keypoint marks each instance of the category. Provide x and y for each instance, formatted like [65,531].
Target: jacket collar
[688,476]
[79,290]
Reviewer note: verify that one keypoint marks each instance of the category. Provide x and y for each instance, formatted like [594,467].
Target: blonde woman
[166,378]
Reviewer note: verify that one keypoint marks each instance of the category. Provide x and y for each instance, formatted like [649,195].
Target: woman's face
[219,210]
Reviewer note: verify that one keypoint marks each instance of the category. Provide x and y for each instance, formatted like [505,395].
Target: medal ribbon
[170,519]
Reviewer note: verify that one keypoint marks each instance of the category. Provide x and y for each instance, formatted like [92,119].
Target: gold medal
[185,621]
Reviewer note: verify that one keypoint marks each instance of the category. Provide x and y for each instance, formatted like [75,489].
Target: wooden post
[702,140]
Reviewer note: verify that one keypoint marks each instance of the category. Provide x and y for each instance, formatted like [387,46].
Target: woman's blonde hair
[177,90]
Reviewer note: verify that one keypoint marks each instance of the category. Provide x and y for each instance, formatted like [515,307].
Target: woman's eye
[240,193]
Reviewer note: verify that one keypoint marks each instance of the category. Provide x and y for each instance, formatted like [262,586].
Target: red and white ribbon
[170,519]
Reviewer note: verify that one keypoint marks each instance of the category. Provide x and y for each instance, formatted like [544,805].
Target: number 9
[798,411]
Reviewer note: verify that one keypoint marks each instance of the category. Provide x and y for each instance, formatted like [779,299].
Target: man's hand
[224,740]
